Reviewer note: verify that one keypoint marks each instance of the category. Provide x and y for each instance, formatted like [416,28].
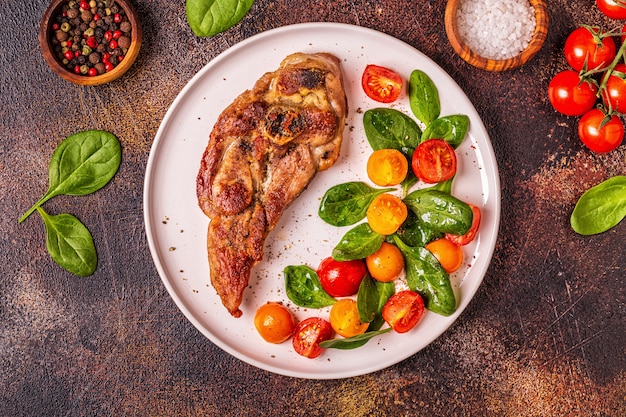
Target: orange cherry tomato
[463,240]
[403,310]
[381,84]
[274,322]
[344,318]
[387,167]
[434,161]
[386,264]
[450,255]
[386,213]
[308,335]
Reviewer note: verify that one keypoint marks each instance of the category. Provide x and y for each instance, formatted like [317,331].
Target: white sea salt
[496,29]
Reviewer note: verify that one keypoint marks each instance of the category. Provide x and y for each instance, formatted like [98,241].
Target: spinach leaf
[425,275]
[354,341]
[358,243]
[69,243]
[81,164]
[391,129]
[423,97]
[440,210]
[304,289]
[371,298]
[452,129]
[347,203]
[414,232]
[601,207]
[210,17]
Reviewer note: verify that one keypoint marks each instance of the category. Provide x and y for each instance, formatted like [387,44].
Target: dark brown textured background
[544,336]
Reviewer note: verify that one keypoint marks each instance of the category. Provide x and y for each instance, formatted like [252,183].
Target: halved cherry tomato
[434,161]
[614,9]
[274,322]
[387,167]
[341,278]
[463,240]
[386,213]
[381,84]
[589,47]
[308,335]
[614,95]
[597,136]
[403,310]
[345,320]
[386,264]
[570,95]
[449,255]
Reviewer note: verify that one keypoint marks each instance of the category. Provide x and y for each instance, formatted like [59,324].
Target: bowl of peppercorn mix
[90,42]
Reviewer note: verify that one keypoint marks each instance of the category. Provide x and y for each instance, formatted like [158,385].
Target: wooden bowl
[45,40]
[464,51]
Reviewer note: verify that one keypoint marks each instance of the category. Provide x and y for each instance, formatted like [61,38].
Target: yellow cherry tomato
[449,254]
[386,264]
[274,322]
[386,214]
[387,167]
[344,318]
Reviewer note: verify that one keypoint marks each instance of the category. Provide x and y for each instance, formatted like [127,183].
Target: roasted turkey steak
[262,153]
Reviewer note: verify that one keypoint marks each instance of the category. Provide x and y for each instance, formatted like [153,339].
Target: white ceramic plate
[176,228]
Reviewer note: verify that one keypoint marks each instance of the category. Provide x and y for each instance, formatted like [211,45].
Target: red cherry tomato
[308,335]
[598,134]
[614,96]
[381,84]
[587,46]
[434,161]
[403,310]
[614,9]
[341,278]
[570,95]
[463,240]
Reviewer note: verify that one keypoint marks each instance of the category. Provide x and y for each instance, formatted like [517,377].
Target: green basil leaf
[354,341]
[358,243]
[347,203]
[452,129]
[69,243]
[423,97]
[304,289]
[210,17]
[440,211]
[601,207]
[81,164]
[426,276]
[387,128]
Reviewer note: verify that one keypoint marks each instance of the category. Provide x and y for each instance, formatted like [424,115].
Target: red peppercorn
[77,69]
[77,54]
[106,57]
[117,18]
[117,34]
[92,42]
[84,5]
[108,35]
[108,66]
[55,26]
[96,17]
[69,43]
[120,58]
[92,72]
[113,44]
[68,54]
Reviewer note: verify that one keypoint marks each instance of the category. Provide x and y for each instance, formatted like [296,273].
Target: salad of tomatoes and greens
[406,235]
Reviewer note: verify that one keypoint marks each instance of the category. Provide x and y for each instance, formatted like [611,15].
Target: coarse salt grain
[496,29]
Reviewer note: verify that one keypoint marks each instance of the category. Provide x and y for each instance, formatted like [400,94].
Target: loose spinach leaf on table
[304,289]
[347,203]
[210,17]
[601,207]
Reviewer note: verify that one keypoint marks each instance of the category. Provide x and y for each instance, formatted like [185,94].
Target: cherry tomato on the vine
[341,278]
[274,322]
[308,335]
[463,240]
[386,213]
[614,9]
[598,134]
[587,46]
[403,310]
[345,320]
[386,264]
[449,254]
[570,95]
[434,161]
[387,167]
[614,95]
[381,84]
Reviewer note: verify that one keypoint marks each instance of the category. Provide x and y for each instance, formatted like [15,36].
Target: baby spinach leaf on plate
[304,289]
[354,341]
[601,207]
[358,243]
[345,204]
[391,129]
[371,298]
[69,243]
[210,17]
[423,97]
[452,129]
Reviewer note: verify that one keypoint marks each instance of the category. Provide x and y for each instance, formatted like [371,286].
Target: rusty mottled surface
[544,336]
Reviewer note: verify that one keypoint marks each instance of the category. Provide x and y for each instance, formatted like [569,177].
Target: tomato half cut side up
[463,240]
[381,84]
[403,310]
[308,335]
[434,161]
